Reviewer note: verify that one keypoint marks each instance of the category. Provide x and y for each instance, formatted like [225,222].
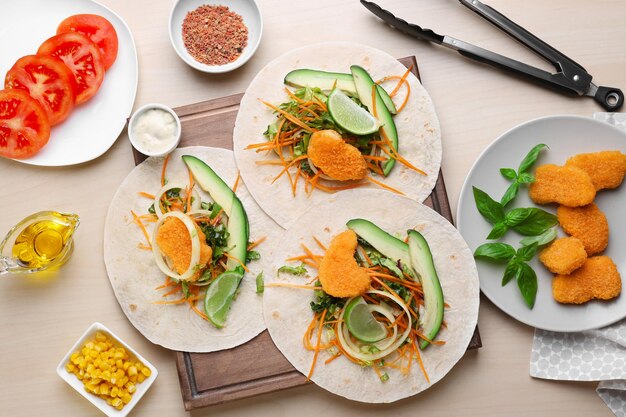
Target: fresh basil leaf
[510,193]
[499,229]
[541,240]
[293,270]
[527,283]
[530,158]
[497,252]
[260,284]
[508,173]
[490,209]
[525,178]
[537,222]
[516,216]
[511,271]
[526,253]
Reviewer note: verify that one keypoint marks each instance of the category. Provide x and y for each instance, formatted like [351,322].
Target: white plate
[77,384]
[93,127]
[566,136]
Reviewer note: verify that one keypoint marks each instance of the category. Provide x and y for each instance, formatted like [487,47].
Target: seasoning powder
[214,35]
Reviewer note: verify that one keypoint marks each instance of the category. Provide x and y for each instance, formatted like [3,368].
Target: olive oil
[45,240]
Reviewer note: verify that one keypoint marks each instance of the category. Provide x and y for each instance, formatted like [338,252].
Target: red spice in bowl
[213,35]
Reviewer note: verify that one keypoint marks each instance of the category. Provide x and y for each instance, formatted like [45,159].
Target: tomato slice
[46,80]
[98,29]
[82,57]
[24,127]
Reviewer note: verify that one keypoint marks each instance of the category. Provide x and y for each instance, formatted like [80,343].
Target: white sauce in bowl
[154,131]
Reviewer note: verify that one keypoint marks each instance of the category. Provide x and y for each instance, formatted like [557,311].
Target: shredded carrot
[406,98]
[270,162]
[147,195]
[144,247]
[293,96]
[406,74]
[287,166]
[237,181]
[419,359]
[319,243]
[289,117]
[375,158]
[167,158]
[386,187]
[287,285]
[142,227]
[256,243]
[174,291]
[217,217]
[317,346]
[374,112]
[178,301]
[245,268]
[198,312]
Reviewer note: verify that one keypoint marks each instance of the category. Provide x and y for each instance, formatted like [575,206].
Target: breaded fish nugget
[588,224]
[564,255]
[606,168]
[339,273]
[566,185]
[336,158]
[597,278]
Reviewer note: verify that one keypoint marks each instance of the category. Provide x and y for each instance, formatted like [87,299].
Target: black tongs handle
[563,64]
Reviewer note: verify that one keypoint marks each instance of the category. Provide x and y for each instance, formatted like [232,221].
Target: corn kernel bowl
[100,365]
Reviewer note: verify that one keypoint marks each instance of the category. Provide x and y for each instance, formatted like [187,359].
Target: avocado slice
[363,83]
[238,226]
[391,247]
[422,263]
[325,81]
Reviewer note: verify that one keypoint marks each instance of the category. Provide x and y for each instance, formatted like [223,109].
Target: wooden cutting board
[217,377]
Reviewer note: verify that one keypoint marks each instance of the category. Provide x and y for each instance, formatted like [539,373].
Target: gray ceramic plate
[566,136]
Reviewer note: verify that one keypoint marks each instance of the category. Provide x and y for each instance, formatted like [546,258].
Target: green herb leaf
[527,283]
[530,159]
[526,253]
[541,240]
[499,229]
[490,209]
[215,210]
[511,271]
[508,173]
[293,270]
[384,377]
[151,209]
[260,284]
[510,193]
[537,222]
[525,178]
[252,255]
[185,287]
[496,252]
[516,216]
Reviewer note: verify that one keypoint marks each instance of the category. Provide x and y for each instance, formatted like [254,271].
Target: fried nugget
[597,278]
[606,168]
[336,158]
[588,224]
[339,273]
[564,255]
[566,185]
[174,241]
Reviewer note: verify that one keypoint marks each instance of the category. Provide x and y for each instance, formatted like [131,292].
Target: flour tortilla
[287,311]
[134,274]
[418,127]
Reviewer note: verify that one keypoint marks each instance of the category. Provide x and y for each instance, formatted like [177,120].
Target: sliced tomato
[98,29]
[24,126]
[82,57]
[48,81]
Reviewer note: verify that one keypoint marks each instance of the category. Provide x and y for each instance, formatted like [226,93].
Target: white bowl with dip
[252,19]
[154,130]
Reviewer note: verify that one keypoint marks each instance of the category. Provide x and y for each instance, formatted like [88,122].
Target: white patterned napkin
[594,355]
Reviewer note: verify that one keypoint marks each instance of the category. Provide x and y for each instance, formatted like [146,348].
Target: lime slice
[349,115]
[361,322]
[219,296]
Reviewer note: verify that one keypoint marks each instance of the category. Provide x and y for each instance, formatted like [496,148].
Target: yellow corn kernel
[96,381]
[124,380]
[132,371]
[113,380]
[126,398]
[146,371]
[74,356]
[116,402]
[70,367]
[114,391]
[104,388]
[93,354]
[100,337]
[106,375]
[141,378]
[119,363]
[131,388]
[126,366]
[104,366]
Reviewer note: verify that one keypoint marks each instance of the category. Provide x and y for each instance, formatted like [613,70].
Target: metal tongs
[570,77]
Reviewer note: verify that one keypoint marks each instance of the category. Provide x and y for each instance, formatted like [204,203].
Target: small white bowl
[247,9]
[78,385]
[140,111]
